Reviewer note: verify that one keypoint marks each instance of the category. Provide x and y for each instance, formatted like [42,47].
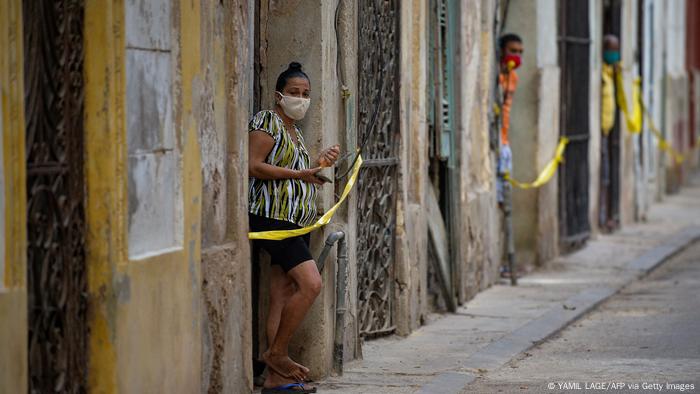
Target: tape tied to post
[547,172]
[663,143]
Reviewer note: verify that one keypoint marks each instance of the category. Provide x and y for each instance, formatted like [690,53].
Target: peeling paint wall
[145,300]
[676,93]
[411,245]
[224,103]
[13,230]
[155,201]
[478,242]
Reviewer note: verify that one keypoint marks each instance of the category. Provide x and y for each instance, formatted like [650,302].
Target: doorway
[609,203]
[441,200]
[378,128]
[574,61]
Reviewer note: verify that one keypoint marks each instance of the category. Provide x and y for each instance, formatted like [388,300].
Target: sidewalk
[498,324]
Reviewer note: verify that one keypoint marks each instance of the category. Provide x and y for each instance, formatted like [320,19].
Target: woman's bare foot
[274,379]
[284,366]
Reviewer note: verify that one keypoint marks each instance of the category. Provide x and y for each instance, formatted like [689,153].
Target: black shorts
[287,253]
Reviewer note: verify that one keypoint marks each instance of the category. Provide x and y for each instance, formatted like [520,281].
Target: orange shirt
[508,82]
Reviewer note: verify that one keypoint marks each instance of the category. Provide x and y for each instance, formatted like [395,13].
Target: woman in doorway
[282,196]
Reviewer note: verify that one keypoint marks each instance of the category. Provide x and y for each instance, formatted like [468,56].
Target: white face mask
[294,107]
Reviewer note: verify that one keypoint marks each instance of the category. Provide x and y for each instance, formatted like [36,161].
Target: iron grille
[56,277]
[377,184]
[574,41]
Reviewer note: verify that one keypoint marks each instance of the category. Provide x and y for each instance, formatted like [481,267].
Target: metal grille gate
[56,277]
[377,184]
[574,42]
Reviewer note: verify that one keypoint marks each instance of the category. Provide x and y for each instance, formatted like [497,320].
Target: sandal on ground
[293,388]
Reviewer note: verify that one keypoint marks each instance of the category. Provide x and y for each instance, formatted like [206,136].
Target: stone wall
[411,229]
[226,96]
[478,243]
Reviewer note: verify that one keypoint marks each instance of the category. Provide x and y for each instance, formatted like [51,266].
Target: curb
[500,352]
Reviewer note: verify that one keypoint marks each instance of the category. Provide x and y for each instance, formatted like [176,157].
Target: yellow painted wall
[144,315]
[13,295]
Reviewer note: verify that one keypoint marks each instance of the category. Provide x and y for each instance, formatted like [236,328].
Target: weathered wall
[347,213]
[654,70]
[224,109]
[534,130]
[155,199]
[628,50]
[594,142]
[13,252]
[411,229]
[478,246]
[675,84]
[2,193]
[695,156]
[304,32]
[145,320]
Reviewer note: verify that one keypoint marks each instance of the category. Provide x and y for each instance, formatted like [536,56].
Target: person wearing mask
[608,111]
[511,51]
[282,196]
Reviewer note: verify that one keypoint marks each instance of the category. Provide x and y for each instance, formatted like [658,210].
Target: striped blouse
[292,200]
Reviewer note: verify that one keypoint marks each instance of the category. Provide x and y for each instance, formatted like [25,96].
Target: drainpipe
[341,286]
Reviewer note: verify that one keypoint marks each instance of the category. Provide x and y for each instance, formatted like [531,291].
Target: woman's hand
[309,175]
[329,156]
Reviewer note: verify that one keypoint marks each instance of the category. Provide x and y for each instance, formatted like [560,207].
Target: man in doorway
[608,110]
[511,51]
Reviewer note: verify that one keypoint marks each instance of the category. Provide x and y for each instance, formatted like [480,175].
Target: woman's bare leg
[282,288]
[308,287]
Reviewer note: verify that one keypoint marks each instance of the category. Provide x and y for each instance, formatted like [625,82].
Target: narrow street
[349,196]
[621,309]
[647,334]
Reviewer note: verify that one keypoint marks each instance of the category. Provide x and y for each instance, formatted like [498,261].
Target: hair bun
[295,66]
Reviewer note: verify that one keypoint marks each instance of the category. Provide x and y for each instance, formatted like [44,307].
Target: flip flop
[293,388]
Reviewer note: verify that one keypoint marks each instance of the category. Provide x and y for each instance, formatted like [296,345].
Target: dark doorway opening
[56,272]
[256,285]
[441,152]
[574,60]
[609,202]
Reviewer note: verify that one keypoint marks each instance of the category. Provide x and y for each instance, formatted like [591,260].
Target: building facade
[123,182]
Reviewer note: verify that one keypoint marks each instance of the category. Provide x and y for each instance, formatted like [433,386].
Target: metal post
[510,237]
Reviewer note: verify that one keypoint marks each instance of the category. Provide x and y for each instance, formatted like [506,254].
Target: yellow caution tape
[278,235]
[663,144]
[634,121]
[547,173]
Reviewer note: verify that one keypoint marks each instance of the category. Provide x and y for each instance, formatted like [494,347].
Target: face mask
[611,57]
[512,61]
[294,107]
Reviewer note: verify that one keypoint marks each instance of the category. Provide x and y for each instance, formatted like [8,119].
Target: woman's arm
[259,146]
